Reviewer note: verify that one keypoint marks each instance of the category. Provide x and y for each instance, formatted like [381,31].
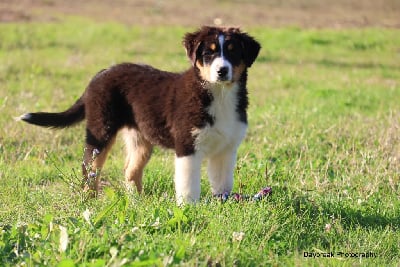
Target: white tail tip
[23,117]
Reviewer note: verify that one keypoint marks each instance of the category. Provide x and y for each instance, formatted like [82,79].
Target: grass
[324,133]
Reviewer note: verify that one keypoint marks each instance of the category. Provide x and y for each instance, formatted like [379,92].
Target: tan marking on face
[204,70]
[230,47]
[237,71]
[213,46]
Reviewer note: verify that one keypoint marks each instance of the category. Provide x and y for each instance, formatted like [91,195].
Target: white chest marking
[227,132]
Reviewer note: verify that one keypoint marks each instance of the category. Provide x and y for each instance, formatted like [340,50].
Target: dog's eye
[231,48]
[207,54]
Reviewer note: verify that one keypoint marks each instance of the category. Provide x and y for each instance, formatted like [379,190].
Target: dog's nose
[222,72]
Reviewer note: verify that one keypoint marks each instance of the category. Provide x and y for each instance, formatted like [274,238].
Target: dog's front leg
[187,178]
[220,171]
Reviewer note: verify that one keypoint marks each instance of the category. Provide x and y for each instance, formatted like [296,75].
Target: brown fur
[154,107]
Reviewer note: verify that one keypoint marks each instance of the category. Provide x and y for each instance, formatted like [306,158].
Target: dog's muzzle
[221,70]
[223,73]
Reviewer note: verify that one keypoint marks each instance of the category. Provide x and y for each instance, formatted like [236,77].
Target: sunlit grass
[324,126]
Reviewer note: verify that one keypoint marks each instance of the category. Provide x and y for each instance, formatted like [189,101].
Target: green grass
[324,133]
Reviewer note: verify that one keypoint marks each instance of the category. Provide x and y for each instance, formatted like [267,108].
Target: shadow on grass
[350,217]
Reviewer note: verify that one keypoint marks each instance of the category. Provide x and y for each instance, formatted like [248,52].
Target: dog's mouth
[225,83]
[224,76]
[220,70]
[224,80]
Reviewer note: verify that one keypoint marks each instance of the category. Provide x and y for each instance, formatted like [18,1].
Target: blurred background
[275,13]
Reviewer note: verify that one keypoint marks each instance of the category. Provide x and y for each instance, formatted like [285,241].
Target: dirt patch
[274,13]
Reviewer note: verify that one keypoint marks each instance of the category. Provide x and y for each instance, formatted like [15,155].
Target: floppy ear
[192,42]
[250,48]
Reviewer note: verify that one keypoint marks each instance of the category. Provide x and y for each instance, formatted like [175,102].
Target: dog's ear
[192,43]
[250,48]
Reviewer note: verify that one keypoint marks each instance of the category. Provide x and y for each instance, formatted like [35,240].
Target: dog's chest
[228,131]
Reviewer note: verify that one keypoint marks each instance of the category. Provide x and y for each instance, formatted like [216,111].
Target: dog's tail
[73,115]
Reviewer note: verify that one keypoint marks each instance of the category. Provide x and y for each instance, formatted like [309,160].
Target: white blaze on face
[220,62]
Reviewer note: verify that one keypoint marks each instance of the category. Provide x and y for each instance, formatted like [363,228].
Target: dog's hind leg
[138,153]
[95,155]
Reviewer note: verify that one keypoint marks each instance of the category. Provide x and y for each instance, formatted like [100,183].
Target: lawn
[324,133]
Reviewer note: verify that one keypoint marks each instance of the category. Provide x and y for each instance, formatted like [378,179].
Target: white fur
[26,116]
[220,62]
[219,142]
[220,171]
[187,178]
[138,154]
[131,138]
[227,131]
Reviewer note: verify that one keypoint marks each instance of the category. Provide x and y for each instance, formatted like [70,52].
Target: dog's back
[200,113]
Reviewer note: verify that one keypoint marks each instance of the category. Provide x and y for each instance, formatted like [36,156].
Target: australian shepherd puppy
[200,113]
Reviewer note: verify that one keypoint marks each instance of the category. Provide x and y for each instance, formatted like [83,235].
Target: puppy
[200,113]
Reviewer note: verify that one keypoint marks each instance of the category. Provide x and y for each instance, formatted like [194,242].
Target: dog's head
[221,54]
